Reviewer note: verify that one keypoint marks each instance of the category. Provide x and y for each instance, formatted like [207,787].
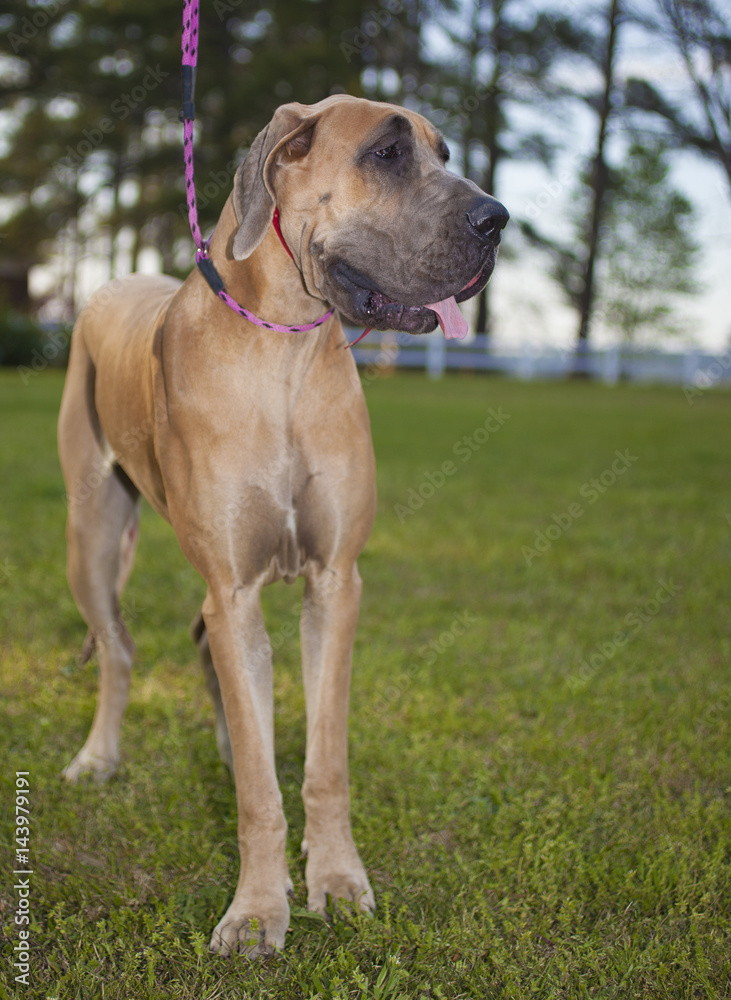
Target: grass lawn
[540,717]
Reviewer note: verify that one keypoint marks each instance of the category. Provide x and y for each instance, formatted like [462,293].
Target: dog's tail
[197,628]
[87,650]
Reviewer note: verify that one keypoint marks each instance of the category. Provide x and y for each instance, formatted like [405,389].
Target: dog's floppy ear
[287,137]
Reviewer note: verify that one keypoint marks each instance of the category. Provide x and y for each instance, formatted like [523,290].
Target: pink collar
[214,279]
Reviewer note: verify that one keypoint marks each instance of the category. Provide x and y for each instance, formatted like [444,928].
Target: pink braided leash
[189,44]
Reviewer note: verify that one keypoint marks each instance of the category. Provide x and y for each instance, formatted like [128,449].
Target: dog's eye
[388,152]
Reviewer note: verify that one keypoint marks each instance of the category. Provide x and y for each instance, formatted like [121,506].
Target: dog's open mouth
[373,308]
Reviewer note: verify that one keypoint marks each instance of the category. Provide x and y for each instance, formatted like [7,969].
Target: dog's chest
[290,559]
[289,545]
[307,518]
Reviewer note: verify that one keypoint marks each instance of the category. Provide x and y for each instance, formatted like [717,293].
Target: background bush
[25,343]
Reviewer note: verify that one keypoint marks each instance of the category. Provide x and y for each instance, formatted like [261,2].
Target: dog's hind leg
[101,533]
[200,638]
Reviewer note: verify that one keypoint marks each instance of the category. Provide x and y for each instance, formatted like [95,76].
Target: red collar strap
[278,230]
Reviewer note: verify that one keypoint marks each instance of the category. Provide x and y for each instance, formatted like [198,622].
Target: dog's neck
[268,283]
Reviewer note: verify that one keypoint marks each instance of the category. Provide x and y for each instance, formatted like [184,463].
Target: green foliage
[531,829]
[647,246]
[92,164]
[699,116]
[505,57]
[19,337]
[94,93]
[646,253]
[24,344]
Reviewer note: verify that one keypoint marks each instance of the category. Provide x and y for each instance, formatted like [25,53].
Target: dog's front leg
[329,618]
[258,917]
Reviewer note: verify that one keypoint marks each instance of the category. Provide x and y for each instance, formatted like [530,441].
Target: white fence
[382,351]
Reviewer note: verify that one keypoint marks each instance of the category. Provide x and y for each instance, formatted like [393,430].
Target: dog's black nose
[488,217]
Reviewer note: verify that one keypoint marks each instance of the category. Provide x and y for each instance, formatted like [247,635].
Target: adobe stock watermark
[428,655]
[590,491]
[224,7]
[215,182]
[22,874]
[714,713]
[384,360]
[463,449]
[508,81]
[459,115]
[50,352]
[129,613]
[501,751]
[83,488]
[707,378]
[6,572]
[121,108]
[222,522]
[328,587]
[33,23]
[375,21]
[553,188]
[131,439]
[59,340]
[634,622]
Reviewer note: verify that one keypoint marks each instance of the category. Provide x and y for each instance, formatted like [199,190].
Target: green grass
[532,827]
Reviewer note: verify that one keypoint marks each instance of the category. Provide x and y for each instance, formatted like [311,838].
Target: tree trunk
[599,181]
[468,132]
[484,317]
[135,251]
[713,99]
[114,226]
[73,256]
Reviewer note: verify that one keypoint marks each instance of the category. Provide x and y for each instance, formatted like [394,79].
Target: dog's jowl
[255,445]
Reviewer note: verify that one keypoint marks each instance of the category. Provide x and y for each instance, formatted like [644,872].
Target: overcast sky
[529,307]
[528,304]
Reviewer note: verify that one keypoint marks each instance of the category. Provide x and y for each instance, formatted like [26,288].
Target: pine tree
[94,94]
[700,32]
[644,255]
[574,265]
[647,251]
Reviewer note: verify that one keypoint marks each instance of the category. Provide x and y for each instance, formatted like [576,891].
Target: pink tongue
[451,319]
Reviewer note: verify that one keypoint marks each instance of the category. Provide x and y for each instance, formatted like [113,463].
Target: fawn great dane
[255,445]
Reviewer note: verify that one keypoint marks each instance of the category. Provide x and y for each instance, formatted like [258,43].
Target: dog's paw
[89,765]
[253,931]
[328,883]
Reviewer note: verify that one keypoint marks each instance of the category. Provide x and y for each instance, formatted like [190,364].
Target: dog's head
[378,226]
